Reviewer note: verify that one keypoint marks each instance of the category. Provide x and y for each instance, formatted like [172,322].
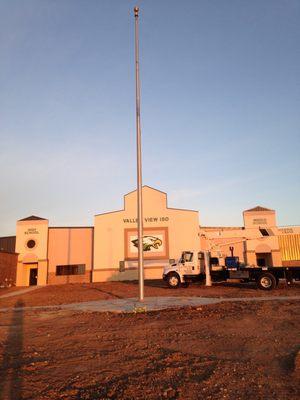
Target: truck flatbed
[267,278]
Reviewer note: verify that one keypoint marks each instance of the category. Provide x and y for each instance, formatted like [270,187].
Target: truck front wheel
[173,280]
[266,281]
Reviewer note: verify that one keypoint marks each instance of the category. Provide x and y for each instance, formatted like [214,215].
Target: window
[31,244]
[214,261]
[77,269]
[264,232]
[188,257]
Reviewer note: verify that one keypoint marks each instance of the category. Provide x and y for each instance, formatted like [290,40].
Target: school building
[108,250]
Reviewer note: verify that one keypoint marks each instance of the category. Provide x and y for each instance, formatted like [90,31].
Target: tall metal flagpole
[139,160]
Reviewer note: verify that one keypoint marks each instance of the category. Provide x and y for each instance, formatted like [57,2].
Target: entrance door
[261,262]
[33,276]
[264,259]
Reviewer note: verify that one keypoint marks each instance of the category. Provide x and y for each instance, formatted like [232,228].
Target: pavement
[21,291]
[133,305]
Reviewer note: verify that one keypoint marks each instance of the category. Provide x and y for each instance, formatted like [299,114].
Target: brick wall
[8,268]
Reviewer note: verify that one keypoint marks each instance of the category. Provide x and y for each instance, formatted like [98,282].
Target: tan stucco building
[259,242]
[50,255]
[108,250]
[115,254]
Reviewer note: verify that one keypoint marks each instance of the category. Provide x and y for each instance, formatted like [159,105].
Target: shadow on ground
[162,285]
[10,368]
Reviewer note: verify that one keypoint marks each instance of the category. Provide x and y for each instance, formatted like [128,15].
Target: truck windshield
[187,256]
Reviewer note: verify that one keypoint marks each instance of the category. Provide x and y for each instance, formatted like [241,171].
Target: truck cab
[190,266]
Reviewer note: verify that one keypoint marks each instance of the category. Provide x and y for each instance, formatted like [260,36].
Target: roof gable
[146,187]
[33,218]
[258,208]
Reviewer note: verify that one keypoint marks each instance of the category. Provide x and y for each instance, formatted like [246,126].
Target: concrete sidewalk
[21,291]
[132,305]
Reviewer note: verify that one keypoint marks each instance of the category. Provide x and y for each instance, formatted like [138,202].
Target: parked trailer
[191,268]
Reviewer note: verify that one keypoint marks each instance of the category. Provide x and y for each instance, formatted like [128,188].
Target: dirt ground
[73,293]
[225,351]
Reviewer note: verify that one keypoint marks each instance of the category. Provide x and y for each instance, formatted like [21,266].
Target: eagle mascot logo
[149,242]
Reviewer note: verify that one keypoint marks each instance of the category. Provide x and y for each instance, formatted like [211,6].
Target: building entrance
[33,275]
[264,260]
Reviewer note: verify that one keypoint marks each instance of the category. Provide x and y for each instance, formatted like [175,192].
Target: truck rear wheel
[266,281]
[173,280]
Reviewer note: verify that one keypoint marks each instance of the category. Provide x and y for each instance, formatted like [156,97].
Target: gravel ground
[225,351]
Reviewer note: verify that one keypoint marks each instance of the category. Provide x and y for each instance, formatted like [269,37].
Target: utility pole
[139,160]
[207,268]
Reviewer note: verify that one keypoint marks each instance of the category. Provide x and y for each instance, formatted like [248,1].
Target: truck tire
[266,281]
[173,280]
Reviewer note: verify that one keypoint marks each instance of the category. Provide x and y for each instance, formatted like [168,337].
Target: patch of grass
[139,310]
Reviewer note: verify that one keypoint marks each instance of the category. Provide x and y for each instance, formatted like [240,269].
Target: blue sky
[220,107]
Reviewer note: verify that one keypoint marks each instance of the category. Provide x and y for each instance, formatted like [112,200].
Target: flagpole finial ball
[136,11]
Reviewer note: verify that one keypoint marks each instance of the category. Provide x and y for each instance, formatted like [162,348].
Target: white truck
[197,265]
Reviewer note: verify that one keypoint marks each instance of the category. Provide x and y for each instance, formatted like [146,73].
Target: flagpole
[139,160]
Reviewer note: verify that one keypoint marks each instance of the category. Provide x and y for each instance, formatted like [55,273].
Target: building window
[264,232]
[31,244]
[76,269]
